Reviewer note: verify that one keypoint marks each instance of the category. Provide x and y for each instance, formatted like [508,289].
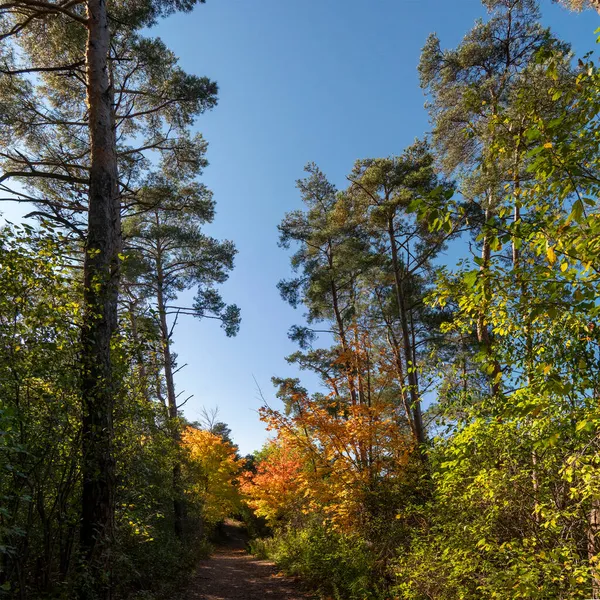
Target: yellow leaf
[551,255]
[548,145]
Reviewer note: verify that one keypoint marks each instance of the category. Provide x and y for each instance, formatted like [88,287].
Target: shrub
[342,565]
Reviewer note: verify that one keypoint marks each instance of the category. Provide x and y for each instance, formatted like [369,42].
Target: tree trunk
[178,505]
[143,373]
[394,345]
[341,329]
[483,333]
[594,547]
[411,374]
[101,279]
[397,353]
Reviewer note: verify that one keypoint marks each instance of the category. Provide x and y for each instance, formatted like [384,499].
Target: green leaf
[576,212]
[470,278]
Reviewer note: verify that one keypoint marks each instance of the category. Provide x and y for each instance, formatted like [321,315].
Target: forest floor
[233,574]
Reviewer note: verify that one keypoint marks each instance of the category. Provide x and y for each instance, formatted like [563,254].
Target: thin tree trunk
[397,352]
[178,505]
[341,329]
[101,280]
[483,333]
[158,379]
[143,373]
[594,547]
[361,393]
[517,196]
[413,386]
[535,482]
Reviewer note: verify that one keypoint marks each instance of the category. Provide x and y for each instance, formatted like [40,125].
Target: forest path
[233,574]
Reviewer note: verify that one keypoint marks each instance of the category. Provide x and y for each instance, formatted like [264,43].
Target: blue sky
[328,81]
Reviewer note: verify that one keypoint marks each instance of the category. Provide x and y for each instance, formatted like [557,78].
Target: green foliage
[494,527]
[515,502]
[40,438]
[493,493]
[39,313]
[168,252]
[53,495]
[339,565]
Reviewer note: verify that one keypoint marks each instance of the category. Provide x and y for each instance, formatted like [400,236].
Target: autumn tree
[211,470]
[274,488]
[353,434]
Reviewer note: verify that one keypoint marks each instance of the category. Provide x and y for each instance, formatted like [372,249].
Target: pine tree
[63,144]
[402,249]
[170,254]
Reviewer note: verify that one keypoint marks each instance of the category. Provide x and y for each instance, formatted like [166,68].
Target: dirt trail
[232,574]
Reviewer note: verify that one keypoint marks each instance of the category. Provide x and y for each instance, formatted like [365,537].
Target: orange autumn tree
[349,451]
[212,469]
[276,490]
[332,451]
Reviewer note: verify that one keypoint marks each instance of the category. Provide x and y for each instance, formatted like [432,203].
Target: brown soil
[233,574]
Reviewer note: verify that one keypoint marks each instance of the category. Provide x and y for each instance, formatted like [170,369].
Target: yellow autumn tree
[211,473]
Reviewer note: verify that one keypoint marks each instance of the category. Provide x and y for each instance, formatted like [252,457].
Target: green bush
[336,564]
[153,570]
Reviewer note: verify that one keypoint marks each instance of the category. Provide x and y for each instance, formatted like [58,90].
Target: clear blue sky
[328,81]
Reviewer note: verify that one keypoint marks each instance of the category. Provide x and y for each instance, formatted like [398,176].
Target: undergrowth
[336,565]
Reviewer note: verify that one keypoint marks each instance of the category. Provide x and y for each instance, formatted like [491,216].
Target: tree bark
[341,328]
[397,352]
[101,280]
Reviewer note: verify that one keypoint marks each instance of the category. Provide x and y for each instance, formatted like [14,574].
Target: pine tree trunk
[341,330]
[178,506]
[101,279]
[143,373]
[409,355]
